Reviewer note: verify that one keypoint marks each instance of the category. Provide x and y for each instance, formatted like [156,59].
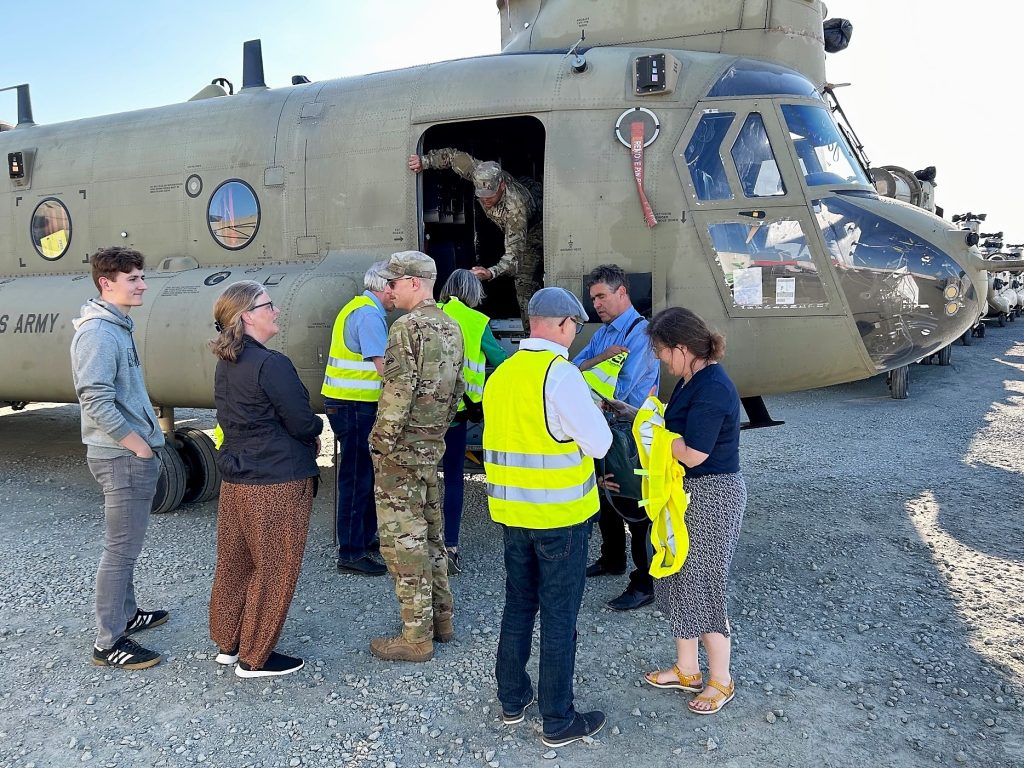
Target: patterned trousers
[411,529]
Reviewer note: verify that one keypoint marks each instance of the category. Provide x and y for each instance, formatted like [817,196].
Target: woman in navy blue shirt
[705,410]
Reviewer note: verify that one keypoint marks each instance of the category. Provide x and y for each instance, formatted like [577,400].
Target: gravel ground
[877,611]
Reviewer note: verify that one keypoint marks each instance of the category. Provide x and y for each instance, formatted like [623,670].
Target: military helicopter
[695,144]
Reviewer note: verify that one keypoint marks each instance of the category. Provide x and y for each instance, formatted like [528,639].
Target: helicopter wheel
[981,331]
[1011,315]
[170,487]
[899,382]
[946,355]
[202,477]
[1002,319]
[968,338]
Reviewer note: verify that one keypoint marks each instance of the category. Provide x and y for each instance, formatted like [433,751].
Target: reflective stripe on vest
[603,377]
[533,480]
[472,324]
[348,375]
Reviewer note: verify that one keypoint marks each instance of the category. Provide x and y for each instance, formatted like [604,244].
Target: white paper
[785,290]
[746,286]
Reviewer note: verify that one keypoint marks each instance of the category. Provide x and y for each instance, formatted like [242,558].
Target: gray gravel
[877,611]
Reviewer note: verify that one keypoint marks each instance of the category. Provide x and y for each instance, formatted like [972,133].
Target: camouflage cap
[487,178]
[556,302]
[409,264]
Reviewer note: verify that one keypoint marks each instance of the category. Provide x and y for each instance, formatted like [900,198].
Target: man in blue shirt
[352,386]
[639,376]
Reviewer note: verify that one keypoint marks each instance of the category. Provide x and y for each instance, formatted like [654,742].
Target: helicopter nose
[909,296]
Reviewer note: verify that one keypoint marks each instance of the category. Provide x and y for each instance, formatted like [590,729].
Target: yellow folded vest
[664,499]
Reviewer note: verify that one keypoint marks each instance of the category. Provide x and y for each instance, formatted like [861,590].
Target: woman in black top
[269,470]
[705,410]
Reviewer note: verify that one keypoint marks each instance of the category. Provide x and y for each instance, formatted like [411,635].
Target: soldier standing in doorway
[514,206]
[423,384]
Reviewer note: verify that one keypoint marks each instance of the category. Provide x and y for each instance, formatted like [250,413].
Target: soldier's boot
[444,630]
[400,649]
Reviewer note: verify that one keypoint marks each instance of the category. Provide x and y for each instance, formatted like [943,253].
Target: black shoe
[374,546]
[597,568]
[276,664]
[586,724]
[511,717]
[145,620]
[630,600]
[453,563]
[126,654]
[364,566]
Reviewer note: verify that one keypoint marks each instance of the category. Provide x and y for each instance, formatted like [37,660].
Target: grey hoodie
[109,383]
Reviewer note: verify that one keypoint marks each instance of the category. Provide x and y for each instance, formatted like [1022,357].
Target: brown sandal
[717,698]
[689,683]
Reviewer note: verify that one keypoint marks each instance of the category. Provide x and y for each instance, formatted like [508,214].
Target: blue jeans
[545,570]
[453,465]
[129,485]
[356,513]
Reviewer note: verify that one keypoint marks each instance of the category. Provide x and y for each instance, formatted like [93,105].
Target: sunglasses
[391,283]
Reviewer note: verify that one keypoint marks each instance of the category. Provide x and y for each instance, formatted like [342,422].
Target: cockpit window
[234,214]
[755,161]
[747,77]
[825,157]
[51,229]
[767,265]
[703,156]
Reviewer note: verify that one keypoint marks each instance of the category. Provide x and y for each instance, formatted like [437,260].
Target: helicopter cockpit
[792,221]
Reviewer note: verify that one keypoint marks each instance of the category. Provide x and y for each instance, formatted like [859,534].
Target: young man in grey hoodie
[121,434]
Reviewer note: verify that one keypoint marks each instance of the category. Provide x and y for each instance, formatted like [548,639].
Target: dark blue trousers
[545,572]
[453,465]
[356,513]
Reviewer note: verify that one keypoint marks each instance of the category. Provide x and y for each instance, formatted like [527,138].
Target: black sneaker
[276,664]
[126,654]
[364,566]
[586,724]
[145,620]
[511,717]
[453,563]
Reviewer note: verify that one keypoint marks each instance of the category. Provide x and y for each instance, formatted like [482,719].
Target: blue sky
[928,87]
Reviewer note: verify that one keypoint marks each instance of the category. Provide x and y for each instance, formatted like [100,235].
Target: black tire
[968,338]
[1011,316]
[946,355]
[899,382]
[981,331]
[171,485]
[1002,319]
[202,477]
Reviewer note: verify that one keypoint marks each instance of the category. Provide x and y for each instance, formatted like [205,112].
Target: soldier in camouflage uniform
[511,206]
[422,387]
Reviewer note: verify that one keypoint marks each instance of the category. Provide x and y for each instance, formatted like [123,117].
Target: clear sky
[932,83]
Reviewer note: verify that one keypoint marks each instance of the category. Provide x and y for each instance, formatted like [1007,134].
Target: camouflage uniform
[423,385]
[517,215]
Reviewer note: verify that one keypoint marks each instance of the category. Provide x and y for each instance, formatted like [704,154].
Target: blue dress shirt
[642,370]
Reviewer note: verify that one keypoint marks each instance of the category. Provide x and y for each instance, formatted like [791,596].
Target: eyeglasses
[391,283]
[264,304]
[579,325]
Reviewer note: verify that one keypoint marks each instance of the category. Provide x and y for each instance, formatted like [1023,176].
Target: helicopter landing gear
[188,472]
[968,338]
[946,355]
[899,382]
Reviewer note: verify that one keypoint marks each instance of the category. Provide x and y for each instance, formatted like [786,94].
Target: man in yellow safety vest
[352,387]
[619,364]
[541,434]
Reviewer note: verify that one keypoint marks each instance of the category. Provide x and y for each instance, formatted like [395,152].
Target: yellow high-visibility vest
[348,375]
[533,480]
[664,499]
[472,324]
[603,377]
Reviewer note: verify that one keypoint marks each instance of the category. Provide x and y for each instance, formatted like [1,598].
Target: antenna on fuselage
[252,65]
[24,104]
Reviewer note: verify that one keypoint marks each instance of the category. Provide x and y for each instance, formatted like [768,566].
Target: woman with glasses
[705,410]
[269,470]
[460,296]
